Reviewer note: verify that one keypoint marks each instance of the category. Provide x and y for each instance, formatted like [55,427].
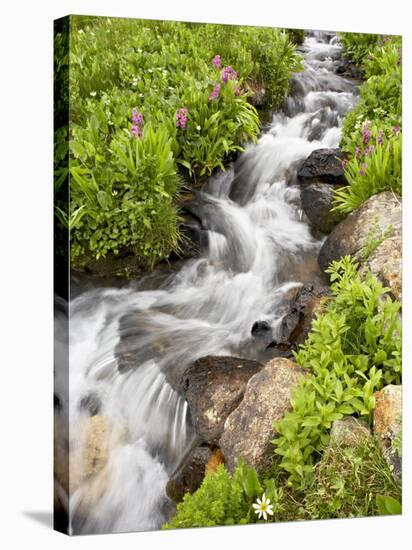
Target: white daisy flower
[198,128]
[93,94]
[263,507]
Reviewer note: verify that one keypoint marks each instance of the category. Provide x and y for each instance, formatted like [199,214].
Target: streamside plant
[353,349]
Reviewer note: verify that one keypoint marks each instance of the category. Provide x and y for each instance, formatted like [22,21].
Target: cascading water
[129,346]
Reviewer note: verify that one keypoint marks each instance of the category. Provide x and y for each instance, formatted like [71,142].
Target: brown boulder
[213,387]
[189,475]
[387,425]
[249,429]
[378,214]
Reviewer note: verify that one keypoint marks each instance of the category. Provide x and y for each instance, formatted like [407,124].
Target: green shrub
[222,499]
[356,46]
[159,68]
[353,349]
[380,102]
[376,167]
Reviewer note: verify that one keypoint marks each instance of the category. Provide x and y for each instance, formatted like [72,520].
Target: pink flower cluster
[215,93]
[217,62]
[366,134]
[181,118]
[137,119]
[228,73]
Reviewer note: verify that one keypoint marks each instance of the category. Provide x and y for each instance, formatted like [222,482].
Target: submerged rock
[378,216]
[387,423]
[385,263]
[249,428]
[213,387]
[190,474]
[323,166]
[317,199]
[349,432]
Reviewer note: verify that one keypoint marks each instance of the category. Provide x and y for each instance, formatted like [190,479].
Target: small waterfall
[129,347]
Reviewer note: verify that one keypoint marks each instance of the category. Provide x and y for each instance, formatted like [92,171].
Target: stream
[129,346]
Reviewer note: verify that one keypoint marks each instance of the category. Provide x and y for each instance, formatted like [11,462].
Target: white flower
[198,128]
[149,70]
[263,507]
[93,94]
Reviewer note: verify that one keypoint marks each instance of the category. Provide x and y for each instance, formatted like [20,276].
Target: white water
[259,247]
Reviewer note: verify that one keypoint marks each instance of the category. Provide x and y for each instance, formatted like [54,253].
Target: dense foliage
[372,134]
[222,499]
[358,45]
[151,103]
[353,349]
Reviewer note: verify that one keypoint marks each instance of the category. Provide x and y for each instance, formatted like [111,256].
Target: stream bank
[250,294]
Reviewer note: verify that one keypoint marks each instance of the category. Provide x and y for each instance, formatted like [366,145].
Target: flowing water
[129,346]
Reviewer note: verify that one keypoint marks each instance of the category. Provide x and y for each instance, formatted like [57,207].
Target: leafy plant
[388,505]
[374,168]
[357,46]
[353,349]
[222,499]
[159,69]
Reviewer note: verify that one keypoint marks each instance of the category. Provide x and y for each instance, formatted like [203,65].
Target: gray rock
[385,263]
[349,432]
[323,166]
[350,236]
[317,204]
[213,387]
[249,429]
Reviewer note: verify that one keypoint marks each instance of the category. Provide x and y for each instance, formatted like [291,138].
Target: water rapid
[130,346]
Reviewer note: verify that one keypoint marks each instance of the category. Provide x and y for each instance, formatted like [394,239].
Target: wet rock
[194,238]
[213,387]
[323,166]
[385,263]
[91,404]
[125,264]
[349,432]
[378,215]
[346,69]
[387,425]
[190,474]
[260,329]
[249,428]
[297,322]
[317,204]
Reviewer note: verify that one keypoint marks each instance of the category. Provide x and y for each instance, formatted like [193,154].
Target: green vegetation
[347,482]
[154,104]
[358,45]
[372,134]
[353,349]
[222,499]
